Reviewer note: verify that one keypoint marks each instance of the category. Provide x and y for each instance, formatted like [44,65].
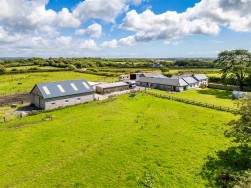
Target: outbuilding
[53,95]
[111,87]
[167,84]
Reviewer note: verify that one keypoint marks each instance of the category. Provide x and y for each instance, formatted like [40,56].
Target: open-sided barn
[52,95]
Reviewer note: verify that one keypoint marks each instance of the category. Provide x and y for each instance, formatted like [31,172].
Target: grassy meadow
[206,95]
[20,83]
[30,67]
[126,142]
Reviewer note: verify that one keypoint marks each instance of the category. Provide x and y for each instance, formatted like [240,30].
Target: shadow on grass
[228,168]
[222,94]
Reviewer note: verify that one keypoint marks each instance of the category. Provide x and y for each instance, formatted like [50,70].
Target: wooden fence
[212,106]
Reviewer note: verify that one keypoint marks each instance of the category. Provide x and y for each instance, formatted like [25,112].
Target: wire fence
[212,106]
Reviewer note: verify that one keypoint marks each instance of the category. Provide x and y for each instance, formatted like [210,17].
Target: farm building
[111,87]
[52,95]
[153,74]
[124,77]
[175,83]
[201,79]
[167,84]
[135,76]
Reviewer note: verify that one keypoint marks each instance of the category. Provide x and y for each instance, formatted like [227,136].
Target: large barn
[52,95]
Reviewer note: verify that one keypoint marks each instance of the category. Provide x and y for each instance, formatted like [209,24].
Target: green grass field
[32,66]
[19,83]
[140,142]
[207,95]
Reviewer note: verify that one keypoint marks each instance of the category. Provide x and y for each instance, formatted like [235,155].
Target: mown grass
[140,142]
[207,95]
[19,83]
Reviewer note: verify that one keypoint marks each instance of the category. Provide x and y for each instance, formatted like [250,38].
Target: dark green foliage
[235,64]
[241,128]
[231,168]
[2,69]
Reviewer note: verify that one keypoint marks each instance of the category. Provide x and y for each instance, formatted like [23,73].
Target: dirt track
[14,99]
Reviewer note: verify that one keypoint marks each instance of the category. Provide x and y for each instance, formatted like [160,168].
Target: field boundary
[202,104]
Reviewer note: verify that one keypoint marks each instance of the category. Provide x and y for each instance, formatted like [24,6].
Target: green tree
[235,64]
[2,69]
[241,129]
[164,69]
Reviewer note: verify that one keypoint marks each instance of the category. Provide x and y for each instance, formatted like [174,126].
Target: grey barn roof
[163,81]
[111,85]
[64,88]
[197,77]
[153,74]
[200,77]
[190,80]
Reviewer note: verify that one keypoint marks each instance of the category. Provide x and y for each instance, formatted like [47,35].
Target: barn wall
[110,90]
[66,101]
[35,96]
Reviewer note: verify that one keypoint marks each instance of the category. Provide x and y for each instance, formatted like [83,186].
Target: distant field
[140,142]
[214,75]
[28,67]
[207,95]
[171,70]
[195,70]
[18,83]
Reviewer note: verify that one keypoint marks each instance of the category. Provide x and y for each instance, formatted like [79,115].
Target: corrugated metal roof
[110,85]
[154,74]
[164,81]
[64,88]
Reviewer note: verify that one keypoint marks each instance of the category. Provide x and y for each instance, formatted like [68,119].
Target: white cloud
[88,44]
[65,19]
[5,37]
[206,17]
[63,41]
[94,31]
[100,9]
[172,43]
[110,44]
[79,32]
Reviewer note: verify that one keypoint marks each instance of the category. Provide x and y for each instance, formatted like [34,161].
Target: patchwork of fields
[20,83]
[136,142]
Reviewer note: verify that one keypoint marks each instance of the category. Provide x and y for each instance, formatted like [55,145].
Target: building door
[37,101]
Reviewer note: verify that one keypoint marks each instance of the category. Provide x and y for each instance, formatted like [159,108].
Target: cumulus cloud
[110,44]
[88,44]
[206,18]
[100,9]
[92,31]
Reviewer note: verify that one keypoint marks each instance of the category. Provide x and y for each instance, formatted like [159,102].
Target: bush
[2,69]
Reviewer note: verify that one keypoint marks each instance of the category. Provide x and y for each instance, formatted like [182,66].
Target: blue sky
[123,28]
